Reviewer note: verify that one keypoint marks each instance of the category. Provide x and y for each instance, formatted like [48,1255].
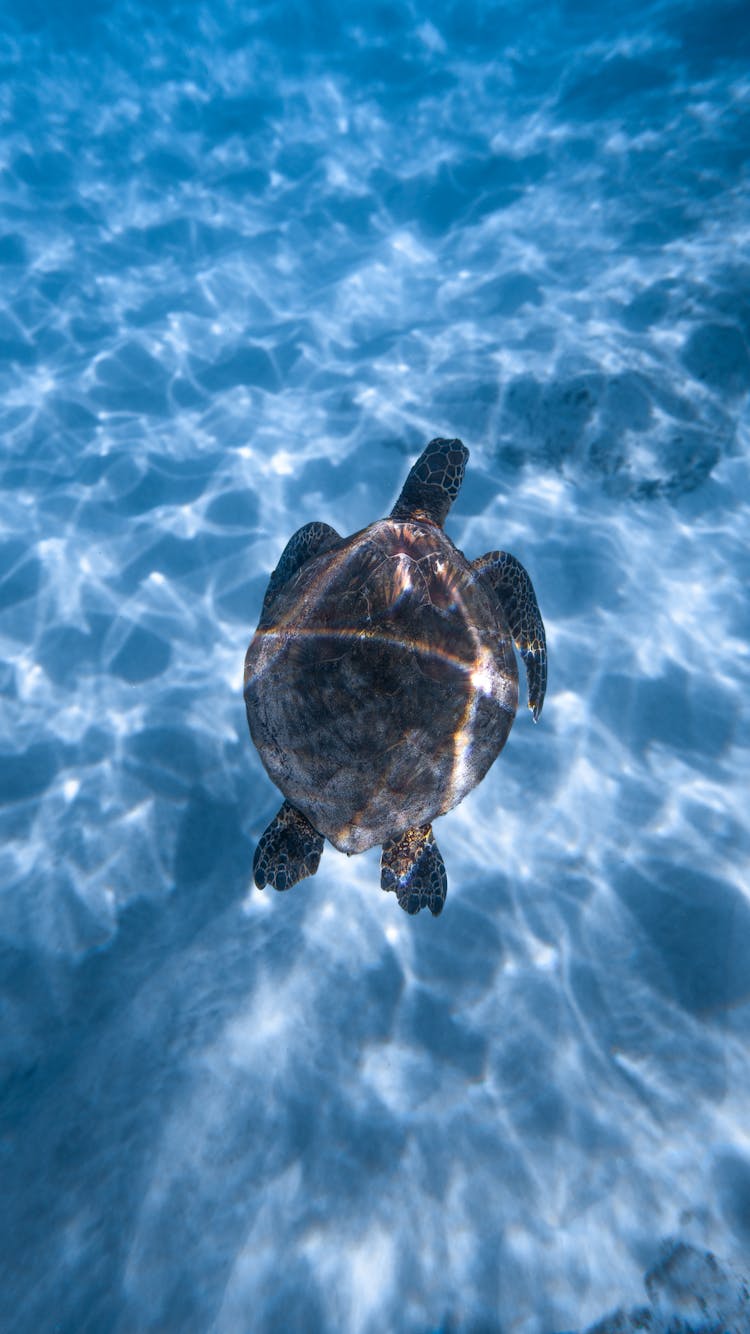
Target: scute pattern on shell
[383,686]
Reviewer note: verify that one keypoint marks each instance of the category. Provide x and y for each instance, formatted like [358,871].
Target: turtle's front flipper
[288,851]
[308,541]
[515,592]
[433,483]
[412,866]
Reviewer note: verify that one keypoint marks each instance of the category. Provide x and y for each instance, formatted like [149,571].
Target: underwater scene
[253,258]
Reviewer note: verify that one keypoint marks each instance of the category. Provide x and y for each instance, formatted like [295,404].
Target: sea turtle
[381,684]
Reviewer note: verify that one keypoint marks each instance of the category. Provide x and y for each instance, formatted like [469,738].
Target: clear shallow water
[252,259]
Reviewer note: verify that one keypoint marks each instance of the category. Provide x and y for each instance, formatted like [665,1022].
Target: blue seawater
[253,257]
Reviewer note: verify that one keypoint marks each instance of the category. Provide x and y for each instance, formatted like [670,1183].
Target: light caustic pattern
[250,266]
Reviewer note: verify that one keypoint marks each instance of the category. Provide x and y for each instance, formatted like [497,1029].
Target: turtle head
[433,483]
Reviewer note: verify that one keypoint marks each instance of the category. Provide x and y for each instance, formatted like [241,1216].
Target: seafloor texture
[251,259]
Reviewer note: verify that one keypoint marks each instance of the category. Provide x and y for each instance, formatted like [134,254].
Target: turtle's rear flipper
[288,851]
[515,593]
[412,866]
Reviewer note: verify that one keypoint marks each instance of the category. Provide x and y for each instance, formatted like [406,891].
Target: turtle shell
[381,683]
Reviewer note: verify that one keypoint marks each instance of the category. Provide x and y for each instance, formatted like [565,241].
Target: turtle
[382,683]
